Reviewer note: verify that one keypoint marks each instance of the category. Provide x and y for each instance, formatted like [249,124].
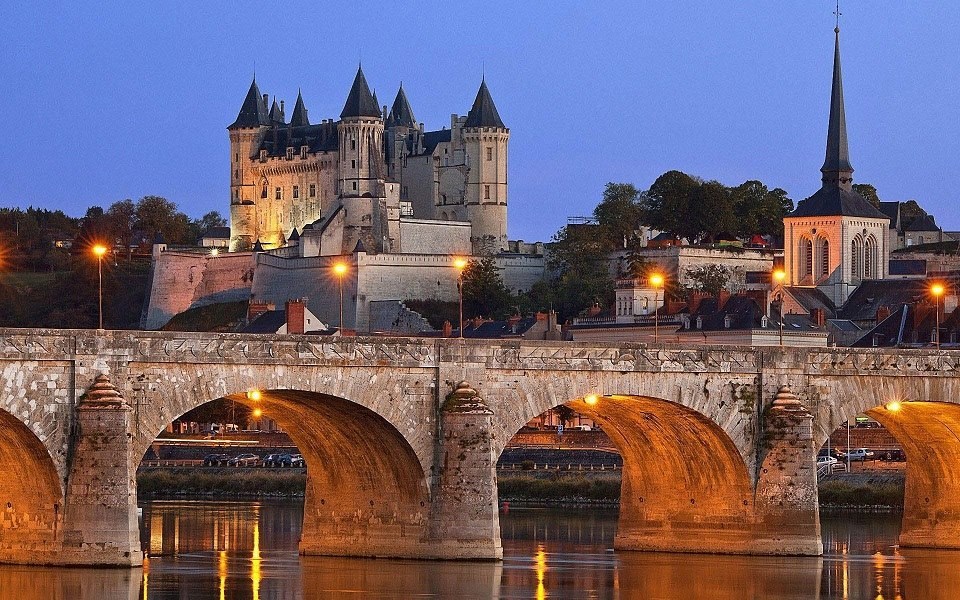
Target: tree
[709,279]
[158,215]
[619,213]
[868,192]
[578,260]
[564,413]
[121,217]
[759,210]
[484,293]
[208,221]
[710,212]
[666,205]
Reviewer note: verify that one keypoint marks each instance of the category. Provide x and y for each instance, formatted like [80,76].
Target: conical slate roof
[836,197]
[294,235]
[838,156]
[360,102]
[484,112]
[276,113]
[401,113]
[299,118]
[252,113]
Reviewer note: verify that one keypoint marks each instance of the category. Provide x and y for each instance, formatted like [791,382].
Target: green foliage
[868,192]
[710,279]
[192,481]
[484,294]
[842,493]
[530,488]
[564,413]
[759,210]
[578,259]
[667,204]
[618,214]
[222,316]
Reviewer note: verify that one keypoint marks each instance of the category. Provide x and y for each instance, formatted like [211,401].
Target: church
[374,177]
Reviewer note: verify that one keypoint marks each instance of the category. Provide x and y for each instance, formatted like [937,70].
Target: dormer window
[263,156]
[699,322]
[727,321]
[303,152]
[289,153]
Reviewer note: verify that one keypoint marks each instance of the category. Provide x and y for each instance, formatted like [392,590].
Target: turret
[486,139]
[361,142]
[245,133]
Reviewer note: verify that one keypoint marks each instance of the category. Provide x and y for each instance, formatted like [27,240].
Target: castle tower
[361,142]
[835,238]
[401,133]
[485,140]
[245,134]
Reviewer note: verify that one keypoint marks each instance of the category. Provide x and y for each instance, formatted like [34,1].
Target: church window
[824,258]
[486,192]
[289,153]
[236,194]
[279,193]
[806,257]
[296,192]
[856,258]
[870,260]
[489,153]
[236,173]
[313,190]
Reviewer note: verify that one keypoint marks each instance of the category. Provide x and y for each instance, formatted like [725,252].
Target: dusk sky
[110,102]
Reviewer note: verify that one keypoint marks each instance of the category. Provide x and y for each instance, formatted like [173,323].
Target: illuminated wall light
[254,395]
[893,406]
[257,413]
[591,399]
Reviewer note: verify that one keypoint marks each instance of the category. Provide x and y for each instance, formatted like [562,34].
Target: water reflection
[248,551]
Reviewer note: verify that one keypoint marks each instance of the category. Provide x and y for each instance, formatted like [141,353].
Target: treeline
[41,240]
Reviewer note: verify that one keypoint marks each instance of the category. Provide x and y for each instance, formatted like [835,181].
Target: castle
[361,179]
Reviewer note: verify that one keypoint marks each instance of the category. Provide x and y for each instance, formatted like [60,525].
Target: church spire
[836,167]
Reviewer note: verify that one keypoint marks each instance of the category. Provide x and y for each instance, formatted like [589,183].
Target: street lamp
[340,269]
[779,276]
[937,290]
[99,250]
[656,280]
[460,264]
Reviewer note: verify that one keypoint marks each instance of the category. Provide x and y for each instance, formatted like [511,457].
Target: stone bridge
[402,436]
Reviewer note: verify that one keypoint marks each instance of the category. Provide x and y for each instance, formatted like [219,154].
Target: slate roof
[252,113]
[923,223]
[299,118]
[908,267]
[812,298]
[832,201]
[217,233]
[360,102]
[267,322]
[401,113]
[870,295]
[484,112]
[276,114]
[294,235]
[322,137]
[432,139]
[892,212]
[837,157]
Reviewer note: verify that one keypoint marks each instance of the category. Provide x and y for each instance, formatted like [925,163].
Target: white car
[858,454]
[826,460]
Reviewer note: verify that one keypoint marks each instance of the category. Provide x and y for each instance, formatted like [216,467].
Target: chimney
[255,309]
[512,322]
[722,299]
[541,316]
[593,310]
[296,319]
[882,313]
[266,98]
[817,316]
[447,329]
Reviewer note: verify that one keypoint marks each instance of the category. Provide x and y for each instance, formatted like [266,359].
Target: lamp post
[460,264]
[340,269]
[99,250]
[656,281]
[779,276]
[937,290]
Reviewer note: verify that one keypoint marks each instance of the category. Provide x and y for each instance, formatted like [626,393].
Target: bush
[840,493]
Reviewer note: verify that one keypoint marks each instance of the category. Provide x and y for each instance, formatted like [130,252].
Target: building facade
[356,178]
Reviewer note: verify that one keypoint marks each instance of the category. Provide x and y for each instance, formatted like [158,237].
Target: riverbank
[557,488]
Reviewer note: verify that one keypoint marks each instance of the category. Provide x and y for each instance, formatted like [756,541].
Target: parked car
[297,461]
[278,460]
[826,460]
[215,460]
[244,460]
[831,452]
[858,454]
[894,455]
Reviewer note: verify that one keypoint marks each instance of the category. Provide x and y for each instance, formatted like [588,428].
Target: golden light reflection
[146,576]
[222,573]
[540,564]
[255,575]
[878,574]
[846,575]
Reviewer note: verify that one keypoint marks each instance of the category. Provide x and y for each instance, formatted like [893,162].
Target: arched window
[870,263]
[856,258]
[806,258]
[824,266]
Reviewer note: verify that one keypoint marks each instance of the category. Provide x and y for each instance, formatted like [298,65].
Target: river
[248,550]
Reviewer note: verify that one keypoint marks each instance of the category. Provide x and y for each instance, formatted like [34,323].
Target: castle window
[354,185]
[353,164]
[236,173]
[263,192]
[279,193]
[296,192]
[303,152]
[236,157]
[236,194]
[489,153]
[289,153]
[353,144]
[313,190]
[486,192]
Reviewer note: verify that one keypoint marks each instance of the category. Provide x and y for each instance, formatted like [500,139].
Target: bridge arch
[30,495]
[687,484]
[367,485]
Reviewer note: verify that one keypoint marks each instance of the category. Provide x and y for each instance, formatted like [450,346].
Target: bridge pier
[465,520]
[100,524]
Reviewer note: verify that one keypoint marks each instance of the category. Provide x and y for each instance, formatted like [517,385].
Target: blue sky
[107,102]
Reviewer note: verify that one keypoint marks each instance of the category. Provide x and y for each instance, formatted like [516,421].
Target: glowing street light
[893,406]
[99,251]
[591,399]
[254,395]
[656,281]
[215,252]
[937,290]
[460,264]
[340,269]
[779,275]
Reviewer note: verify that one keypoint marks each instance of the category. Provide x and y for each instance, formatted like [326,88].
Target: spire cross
[837,13]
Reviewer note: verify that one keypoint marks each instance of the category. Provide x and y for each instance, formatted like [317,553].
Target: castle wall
[278,279]
[519,273]
[676,260]
[434,237]
[184,280]
[417,177]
